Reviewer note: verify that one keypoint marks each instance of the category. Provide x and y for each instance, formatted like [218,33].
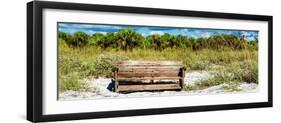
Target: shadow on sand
[111,85]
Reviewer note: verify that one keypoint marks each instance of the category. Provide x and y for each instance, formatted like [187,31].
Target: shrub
[68,64]
[251,72]
[73,82]
[104,64]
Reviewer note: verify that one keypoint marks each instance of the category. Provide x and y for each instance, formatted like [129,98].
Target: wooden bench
[148,76]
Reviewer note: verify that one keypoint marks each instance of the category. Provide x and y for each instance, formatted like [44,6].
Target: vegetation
[83,56]
[246,71]
[128,39]
[232,87]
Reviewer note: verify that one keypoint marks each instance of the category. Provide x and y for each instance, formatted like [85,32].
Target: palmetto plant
[200,43]
[220,41]
[231,41]
[95,39]
[157,42]
[127,39]
[107,40]
[79,39]
[182,41]
[65,37]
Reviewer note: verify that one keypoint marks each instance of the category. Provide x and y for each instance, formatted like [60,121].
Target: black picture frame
[35,69]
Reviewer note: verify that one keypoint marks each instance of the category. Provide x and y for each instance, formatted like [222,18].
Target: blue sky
[145,31]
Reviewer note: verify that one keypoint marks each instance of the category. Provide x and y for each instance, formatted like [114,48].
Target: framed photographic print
[95,61]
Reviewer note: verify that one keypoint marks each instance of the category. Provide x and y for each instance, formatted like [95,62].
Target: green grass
[77,64]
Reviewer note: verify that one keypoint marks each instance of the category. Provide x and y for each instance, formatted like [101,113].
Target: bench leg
[116,82]
[181,83]
[116,86]
[182,77]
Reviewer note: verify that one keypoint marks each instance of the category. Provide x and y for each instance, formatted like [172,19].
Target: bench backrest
[128,69]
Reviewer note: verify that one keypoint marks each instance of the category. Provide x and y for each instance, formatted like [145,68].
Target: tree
[158,43]
[182,41]
[230,41]
[165,41]
[220,41]
[64,36]
[79,39]
[146,43]
[200,43]
[190,41]
[107,40]
[95,39]
[254,44]
[127,39]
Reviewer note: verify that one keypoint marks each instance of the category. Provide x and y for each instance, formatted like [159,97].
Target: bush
[73,82]
[104,64]
[68,64]
[251,72]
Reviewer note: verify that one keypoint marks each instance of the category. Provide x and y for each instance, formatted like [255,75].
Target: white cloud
[90,32]
[88,26]
[244,33]
[63,25]
[157,32]
[206,34]
[249,35]
[184,31]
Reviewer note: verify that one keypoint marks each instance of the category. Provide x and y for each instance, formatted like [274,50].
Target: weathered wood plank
[148,74]
[148,67]
[147,78]
[149,64]
[149,87]
[132,62]
[144,70]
